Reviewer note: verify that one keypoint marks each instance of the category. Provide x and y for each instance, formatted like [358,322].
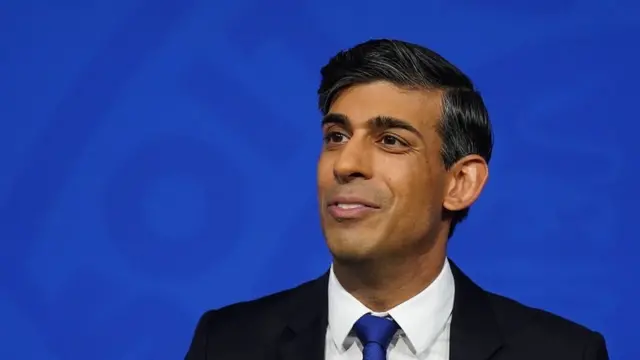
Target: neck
[381,285]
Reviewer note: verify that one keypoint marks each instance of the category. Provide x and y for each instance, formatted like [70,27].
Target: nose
[353,162]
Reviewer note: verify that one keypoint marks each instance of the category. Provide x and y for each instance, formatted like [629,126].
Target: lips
[350,207]
[351,201]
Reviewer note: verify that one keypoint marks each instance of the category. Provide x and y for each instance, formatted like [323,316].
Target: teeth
[349,206]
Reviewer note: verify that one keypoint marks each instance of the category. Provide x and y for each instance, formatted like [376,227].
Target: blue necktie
[375,333]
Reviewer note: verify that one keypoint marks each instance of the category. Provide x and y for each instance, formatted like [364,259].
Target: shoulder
[526,331]
[225,330]
[521,324]
[256,315]
[513,315]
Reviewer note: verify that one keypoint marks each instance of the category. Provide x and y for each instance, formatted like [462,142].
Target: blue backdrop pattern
[158,159]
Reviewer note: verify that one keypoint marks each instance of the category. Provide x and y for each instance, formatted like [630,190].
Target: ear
[467,178]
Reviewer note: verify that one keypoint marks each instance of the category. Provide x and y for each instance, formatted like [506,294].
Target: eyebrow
[377,123]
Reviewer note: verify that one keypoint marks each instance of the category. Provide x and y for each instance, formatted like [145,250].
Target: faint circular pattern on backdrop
[555,227]
[126,323]
[304,238]
[173,207]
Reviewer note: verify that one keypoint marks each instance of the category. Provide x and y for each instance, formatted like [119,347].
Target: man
[407,141]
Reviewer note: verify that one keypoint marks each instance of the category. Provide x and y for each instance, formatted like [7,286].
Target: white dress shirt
[424,321]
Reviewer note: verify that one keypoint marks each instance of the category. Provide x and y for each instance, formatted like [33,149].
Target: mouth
[350,208]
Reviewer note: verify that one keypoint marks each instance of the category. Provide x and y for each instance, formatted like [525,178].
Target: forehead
[362,102]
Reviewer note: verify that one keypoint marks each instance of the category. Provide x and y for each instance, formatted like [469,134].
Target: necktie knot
[375,333]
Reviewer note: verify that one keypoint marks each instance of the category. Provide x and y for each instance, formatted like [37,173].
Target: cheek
[415,191]
[324,173]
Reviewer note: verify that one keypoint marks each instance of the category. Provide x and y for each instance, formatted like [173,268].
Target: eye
[334,137]
[390,140]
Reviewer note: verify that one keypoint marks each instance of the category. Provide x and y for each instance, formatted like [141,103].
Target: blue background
[157,159]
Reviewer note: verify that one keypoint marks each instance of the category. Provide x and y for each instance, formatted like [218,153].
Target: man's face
[381,181]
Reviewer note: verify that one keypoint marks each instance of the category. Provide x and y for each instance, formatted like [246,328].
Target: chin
[349,249]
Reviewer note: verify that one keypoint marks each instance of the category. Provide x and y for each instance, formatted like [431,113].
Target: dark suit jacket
[291,325]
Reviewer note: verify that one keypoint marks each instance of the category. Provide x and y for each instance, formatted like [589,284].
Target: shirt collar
[421,318]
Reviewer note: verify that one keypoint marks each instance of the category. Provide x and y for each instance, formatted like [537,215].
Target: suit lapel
[306,323]
[475,333]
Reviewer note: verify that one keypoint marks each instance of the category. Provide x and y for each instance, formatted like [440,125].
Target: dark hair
[465,127]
